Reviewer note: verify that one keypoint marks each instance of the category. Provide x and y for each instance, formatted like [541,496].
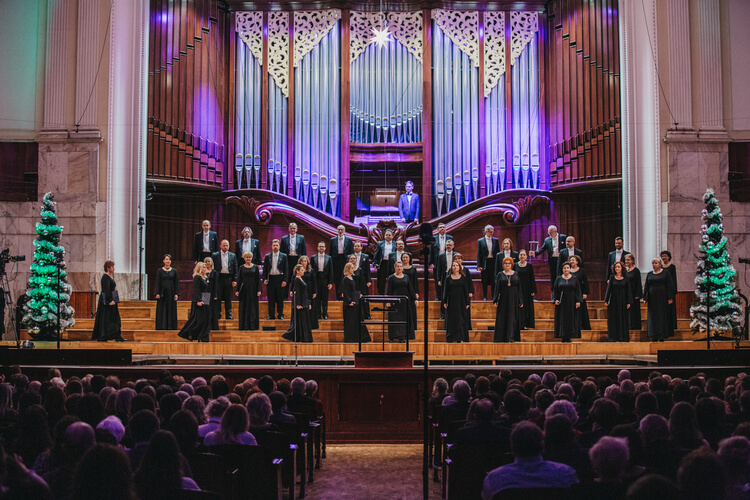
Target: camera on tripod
[6,257]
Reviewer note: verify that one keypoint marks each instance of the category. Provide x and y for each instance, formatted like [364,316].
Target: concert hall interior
[374,120]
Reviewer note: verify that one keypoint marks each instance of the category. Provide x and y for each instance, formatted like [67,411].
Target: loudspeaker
[425,233]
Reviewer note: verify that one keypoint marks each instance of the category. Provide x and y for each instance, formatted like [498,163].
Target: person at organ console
[206,243]
[409,205]
[383,252]
[247,244]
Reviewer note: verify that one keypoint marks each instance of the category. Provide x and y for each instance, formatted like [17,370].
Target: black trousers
[552,271]
[292,259]
[275,293]
[225,293]
[320,304]
[488,277]
[338,273]
[383,275]
[439,292]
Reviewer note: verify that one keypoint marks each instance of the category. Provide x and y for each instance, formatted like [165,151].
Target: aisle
[379,471]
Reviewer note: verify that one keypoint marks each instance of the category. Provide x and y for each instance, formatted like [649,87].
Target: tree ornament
[704,238]
[704,228]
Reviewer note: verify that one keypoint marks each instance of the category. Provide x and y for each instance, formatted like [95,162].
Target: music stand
[386,299]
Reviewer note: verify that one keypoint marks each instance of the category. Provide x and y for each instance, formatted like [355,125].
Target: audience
[159,475]
[233,430]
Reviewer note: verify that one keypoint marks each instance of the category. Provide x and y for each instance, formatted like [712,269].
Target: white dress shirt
[441,242]
[358,256]
[618,255]
[506,253]
[206,242]
[448,261]
[224,262]
[321,262]
[488,239]
[341,244]
[274,264]
[387,249]
[555,246]
[293,244]
[246,246]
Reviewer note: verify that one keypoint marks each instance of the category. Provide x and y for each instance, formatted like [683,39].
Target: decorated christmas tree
[715,278]
[43,291]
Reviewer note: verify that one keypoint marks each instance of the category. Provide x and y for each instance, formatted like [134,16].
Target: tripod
[7,300]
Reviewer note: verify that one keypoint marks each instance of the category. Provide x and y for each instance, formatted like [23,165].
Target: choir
[287,272]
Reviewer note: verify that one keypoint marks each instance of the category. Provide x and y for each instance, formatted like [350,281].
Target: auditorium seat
[198,495]
[256,473]
[281,446]
[466,467]
[534,494]
[210,472]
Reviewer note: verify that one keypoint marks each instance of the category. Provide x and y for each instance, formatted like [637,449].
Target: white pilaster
[126,162]
[680,86]
[641,182]
[710,67]
[55,89]
[87,62]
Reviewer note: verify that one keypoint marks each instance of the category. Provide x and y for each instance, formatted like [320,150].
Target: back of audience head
[143,425]
[558,431]
[439,388]
[549,379]
[184,427]
[284,386]
[701,476]
[219,386]
[653,487]
[604,414]
[654,429]
[234,422]
[113,426]
[481,411]
[278,402]
[217,407]
[683,427]
[197,407]
[564,408]
[258,409]
[103,474]
[311,388]
[609,458]
[298,386]
[266,384]
[516,403]
[526,440]
[158,475]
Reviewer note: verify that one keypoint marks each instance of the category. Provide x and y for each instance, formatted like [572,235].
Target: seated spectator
[529,469]
[609,459]
[458,407]
[54,405]
[734,453]
[653,487]
[560,445]
[259,412]
[279,414]
[233,428]
[17,482]
[142,402]
[53,456]
[141,429]
[214,411]
[284,386]
[197,407]
[169,404]
[701,477]
[439,392]
[159,475]
[658,454]
[184,427]
[77,439]
[479,430]
[683,428]
[311,388]
[516,408]
[90,410]
[603,416]
[266,384]
[113,426]
[483,391]
[298,402]
[33,436]
[7,413]
[219,386]
[709,413]
[103,473]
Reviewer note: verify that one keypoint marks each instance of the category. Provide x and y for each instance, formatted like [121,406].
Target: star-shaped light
[381,36]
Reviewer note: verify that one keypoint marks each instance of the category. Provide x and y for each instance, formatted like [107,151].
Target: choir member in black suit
[362,266]
[206,243]
[299,327]
[322,266]
[247,244]
[212,280]
[567,252]
[198,324]
[341,248]
[618,299]
[411,272]
[508,300]
[567,297]
[438,246]
[552,245]
[383,251]
[225,263]
[354,329]
[658,293]
[275,271]
[167,293]
[636,292]
[525,273]
[442,267]
[616,255]
[294,246]
[107,324]
[469,289]
[666,264]
[487,249]
[507,251]
[396,255]
[456,304]
[399,285]
[248,291]
[583,312]
[312,287]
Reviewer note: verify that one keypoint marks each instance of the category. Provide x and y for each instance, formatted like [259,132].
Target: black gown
[657,292]
[673,306]
[312,287]
[583,312]
[167,286]
[470,291]
[509,300]
[568,292]
[199,323]
[636,293]
[214,309]
[299,325]
[528,286]
[354,329]
[456,298]
[249,286]
[400,287]
[360,285]
[411,273]
[618,297]
[107,324]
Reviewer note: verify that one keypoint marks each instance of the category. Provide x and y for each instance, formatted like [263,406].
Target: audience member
[214,411]
[159,475]
[701,476]
[233,430]
[103,473]
[279,414]
[113,426]
[141,428]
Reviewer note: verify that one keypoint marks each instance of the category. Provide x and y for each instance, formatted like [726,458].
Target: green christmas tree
[43,291]
[715,278]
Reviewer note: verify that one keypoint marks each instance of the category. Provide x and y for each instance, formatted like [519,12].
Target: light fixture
[381,36]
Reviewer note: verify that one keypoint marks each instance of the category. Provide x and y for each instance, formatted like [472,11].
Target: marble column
[641,165]
[126,161]
[712,126]
[89,49]
[680,77]
[55,88]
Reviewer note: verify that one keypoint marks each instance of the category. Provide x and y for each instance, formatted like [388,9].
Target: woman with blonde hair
[199,323]
[299,327]
[354,329]
[212,279]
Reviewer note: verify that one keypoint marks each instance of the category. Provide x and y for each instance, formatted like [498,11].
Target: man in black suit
[322,266]
[293,245]
[383,251]
[275,271]
[507,251]
[439,245]
[566,253]
[618,255]
[247,244]
[552,245]
[396,256]
[341,248]
[363,262]
[206,243]
[444,263]
[487,248]
[225,263]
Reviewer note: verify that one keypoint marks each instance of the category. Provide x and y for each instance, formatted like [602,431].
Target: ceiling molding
[388,5]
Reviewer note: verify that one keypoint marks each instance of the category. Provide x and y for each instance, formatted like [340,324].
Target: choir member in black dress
[509,303]
[456,304]
[107,324]
[567,297]
[312,288]
[411,273]
[469,289]
[525,273]
[583,312]
[212,280]
[443,265]
[354,329]
[399,285]
[299,327]
[248,291]
[199,323]
[167,293]
[636,292]
[658,293]
[618,299]
[666,264]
